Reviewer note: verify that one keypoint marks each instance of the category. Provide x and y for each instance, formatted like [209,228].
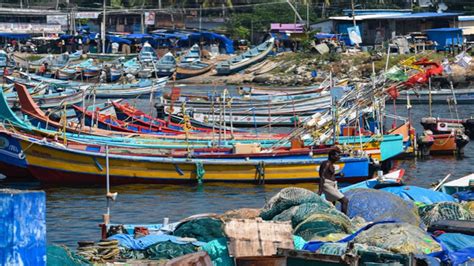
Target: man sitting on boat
[328,183]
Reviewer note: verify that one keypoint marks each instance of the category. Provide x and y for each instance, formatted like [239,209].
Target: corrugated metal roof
[466,18]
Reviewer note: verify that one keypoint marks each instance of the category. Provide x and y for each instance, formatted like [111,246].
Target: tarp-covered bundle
[443,211]
[376,205]
[289,197]
[400,238]
[202,228]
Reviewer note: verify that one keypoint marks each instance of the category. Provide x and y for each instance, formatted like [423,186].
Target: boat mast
[104,28]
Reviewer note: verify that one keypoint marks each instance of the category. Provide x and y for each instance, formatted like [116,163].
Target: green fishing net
[61,255]
[443,211]
[289,197]
[204,229]
[340,249]
[401,238]
[322,224]
[299,213]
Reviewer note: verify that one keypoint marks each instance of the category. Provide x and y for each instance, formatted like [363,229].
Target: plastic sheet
[376,205]
[456,241]
[142,243]
[289,197]
[401,238]
[418,194]
[219,253]
[443,211]
[203,229]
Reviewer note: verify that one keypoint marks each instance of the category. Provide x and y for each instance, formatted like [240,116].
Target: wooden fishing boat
[140,88]
[53,62]
[126,112]
[192,69]
[109,122]
[443,144]
[54,163]
[165,66]
[12,159]
[191,64]
[442,96]
[446,126]
[240,62]
[458,185]
[50,97]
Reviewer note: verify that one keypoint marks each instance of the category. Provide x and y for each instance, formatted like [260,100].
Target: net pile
[289,197]
[203,229]
[323,224]
[443,211]
[376,205]
[340,249]
[400,238]
[61,255]
[243,213]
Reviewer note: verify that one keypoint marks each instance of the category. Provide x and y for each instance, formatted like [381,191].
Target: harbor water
[74,214]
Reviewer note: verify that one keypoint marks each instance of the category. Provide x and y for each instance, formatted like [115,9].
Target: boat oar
[442,182]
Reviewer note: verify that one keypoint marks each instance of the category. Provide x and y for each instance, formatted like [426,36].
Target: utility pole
[143,21]
[104,27]
[353,13]
[200,18]
[159,4]
[307,14]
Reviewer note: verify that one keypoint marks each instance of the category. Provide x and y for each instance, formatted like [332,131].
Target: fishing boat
[54,62]
[165,66]
[240,62]
[442,96]
[140,88]
[126,112]
[442,144]
[462,184]
[54,163]
[191,64]
[49,97]
[446,126]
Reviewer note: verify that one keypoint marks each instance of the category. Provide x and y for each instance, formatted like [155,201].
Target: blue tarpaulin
[445,37]
[418,194]
[327,36]
[227,43]
[112,38]
[128,241]
[23,227]
[138,36]
[15,35]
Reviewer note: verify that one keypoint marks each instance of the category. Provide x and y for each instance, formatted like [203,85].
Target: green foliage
[116,3]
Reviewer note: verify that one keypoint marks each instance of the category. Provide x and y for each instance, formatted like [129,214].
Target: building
[380,25]
[466,23]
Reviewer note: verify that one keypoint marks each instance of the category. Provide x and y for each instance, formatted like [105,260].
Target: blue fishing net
[218,252]
[376,205]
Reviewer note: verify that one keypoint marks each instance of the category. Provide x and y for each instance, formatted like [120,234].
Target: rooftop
[397,16]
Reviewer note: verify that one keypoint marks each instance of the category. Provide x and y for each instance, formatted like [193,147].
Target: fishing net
[401,238]
[61,255]
[340,249]
[469,206]
[330,238]
[299,213]
[289,197]
[322,224]
[443,211]
[203,229]
[243,213]
[376,205]
[169,250]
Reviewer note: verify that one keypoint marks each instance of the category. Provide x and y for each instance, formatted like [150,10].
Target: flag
[463,59]
[410,63]
[396,74]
